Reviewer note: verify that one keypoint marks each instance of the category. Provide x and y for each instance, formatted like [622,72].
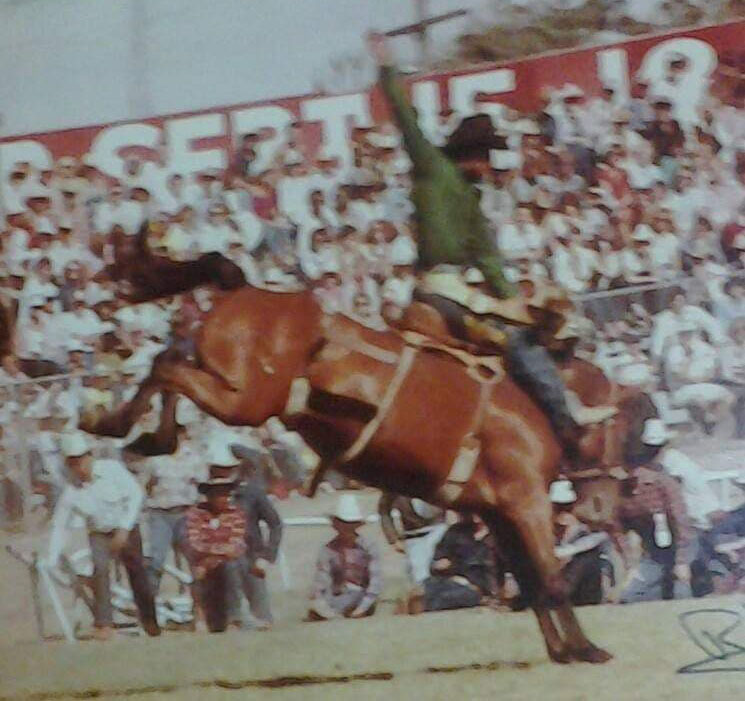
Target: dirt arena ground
[477,654]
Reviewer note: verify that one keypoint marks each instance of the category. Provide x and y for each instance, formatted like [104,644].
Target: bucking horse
[399,412]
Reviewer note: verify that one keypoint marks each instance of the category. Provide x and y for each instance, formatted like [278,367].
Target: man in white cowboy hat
[215,532]
[653,505]
[109,498]
[701,502]
[578,549]
[348,581]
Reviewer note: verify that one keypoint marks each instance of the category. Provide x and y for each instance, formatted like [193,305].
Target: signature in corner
[710,631]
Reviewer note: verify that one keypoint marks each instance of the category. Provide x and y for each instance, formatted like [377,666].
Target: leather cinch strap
[405,362]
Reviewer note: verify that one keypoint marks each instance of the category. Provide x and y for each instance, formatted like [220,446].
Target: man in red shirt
[215,536]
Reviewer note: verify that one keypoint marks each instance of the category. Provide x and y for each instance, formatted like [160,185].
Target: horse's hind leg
[579,646]
[165,439]
[524,570]
[533,521]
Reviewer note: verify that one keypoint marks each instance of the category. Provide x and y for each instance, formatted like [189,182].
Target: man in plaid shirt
[654,508]
[215,536]
[347,581]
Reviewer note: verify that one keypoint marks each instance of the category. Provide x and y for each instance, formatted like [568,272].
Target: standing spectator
[215,537]
[251,568]
[652,505]
[109,498]
[347,581]
[171,490]
[422,526]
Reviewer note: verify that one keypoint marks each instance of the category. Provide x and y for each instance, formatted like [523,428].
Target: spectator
[171,490]
[347,581]
[215,537]
[109,498]
[580,551]
[652,505]
[261,551]
[733,371]
[422,526]
[463,570]
[692,367]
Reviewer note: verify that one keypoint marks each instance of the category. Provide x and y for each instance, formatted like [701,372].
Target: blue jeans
[655,580]
[166,531]
[242,579]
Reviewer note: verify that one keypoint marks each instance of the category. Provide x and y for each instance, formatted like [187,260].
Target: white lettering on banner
[182,133]
[687,91]
[426,99]
[335,113]
[613,71]
[463,89]
[21,151]
[108,143]
[254,119]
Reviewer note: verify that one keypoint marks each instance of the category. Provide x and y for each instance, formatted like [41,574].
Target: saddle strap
[405,362]
[468,455]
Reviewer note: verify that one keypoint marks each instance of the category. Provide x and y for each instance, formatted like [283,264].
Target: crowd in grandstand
[596,193]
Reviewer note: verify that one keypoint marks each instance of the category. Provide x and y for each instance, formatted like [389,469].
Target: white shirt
[110,501]
[699,364]
[642,176]
[515,240]
[699,497]
[127,214]
[664,253]
[175,479]
[667,324]
[216,237]
[399,291]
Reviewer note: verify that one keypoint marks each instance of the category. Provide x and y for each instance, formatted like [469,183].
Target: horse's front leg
[165,439]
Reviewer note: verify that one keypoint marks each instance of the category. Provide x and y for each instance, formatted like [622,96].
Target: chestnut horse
[416,421]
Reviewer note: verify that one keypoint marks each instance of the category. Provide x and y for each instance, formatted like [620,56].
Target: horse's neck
[587,381]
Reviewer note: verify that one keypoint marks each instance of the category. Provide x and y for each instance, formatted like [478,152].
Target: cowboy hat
[220,455]
[348,509]
[74,445]
[219,477]
[656,433]
[562,492]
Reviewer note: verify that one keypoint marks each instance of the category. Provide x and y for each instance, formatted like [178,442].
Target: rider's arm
[424,155]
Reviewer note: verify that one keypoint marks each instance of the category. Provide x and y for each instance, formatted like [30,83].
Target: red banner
[193,141]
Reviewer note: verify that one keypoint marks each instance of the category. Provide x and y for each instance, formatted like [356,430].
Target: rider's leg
[531,366]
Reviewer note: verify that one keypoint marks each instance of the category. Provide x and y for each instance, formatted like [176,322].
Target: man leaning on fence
[109,498]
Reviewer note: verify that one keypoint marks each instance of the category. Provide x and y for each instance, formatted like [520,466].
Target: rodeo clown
[453,236]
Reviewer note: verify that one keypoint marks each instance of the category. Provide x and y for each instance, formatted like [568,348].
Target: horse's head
[554,314]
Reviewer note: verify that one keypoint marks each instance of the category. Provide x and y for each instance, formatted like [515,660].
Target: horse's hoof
[149,444]
[592,654]
[561,656]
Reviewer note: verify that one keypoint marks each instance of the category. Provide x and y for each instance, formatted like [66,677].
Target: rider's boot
[531,366]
